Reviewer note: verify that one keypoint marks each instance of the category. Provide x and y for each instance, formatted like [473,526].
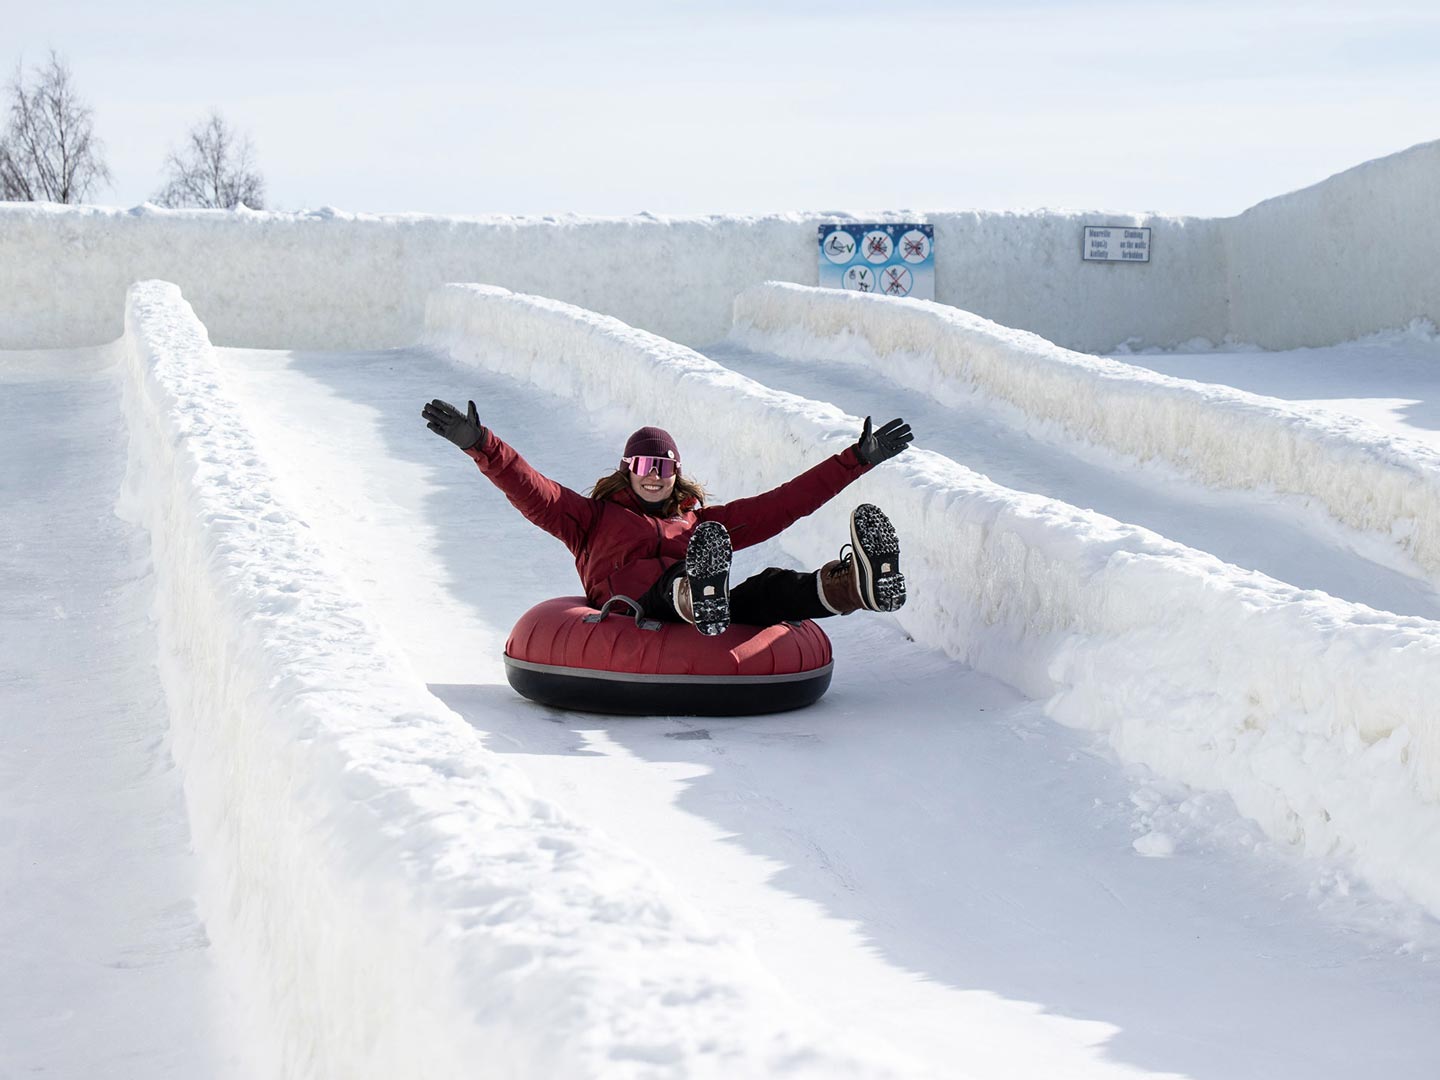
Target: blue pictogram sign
[892,260]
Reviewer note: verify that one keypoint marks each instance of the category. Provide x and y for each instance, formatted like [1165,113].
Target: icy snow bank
[395,898]
[1365,477]
[1315,715]
[328,280]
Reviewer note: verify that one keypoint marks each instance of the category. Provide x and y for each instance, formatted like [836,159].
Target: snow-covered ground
[104,963]
[924,874]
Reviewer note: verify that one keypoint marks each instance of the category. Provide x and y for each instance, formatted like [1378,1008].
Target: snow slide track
[1223,437]
[1312,713]
[396,898]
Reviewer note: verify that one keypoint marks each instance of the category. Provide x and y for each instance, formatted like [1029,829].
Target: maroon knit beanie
[652,441]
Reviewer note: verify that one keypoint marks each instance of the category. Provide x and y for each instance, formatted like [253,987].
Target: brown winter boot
[680,599]
[839,586]
[868,576]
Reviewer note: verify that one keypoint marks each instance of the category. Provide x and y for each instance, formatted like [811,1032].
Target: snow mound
[1365,477]
[1313,714]
[394,899]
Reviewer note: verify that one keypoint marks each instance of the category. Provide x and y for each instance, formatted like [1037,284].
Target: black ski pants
[771,596]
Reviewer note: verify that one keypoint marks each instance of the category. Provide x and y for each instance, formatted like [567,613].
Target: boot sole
[707,565]
[877,558]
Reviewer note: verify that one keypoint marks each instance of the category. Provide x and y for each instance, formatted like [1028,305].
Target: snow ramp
[1312,713]
[398,901]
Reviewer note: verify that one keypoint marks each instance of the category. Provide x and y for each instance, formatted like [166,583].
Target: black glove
[877,446]
[463,429]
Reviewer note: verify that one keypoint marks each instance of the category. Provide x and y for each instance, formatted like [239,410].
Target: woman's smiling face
[650,487]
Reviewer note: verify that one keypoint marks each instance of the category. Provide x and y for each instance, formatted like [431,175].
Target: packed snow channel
[105,965]
[1391,379]
[922,857]
[1282,536]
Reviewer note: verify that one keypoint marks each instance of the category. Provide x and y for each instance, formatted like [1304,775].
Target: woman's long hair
[685,495]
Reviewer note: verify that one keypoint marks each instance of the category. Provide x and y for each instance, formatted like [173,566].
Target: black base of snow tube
[568,655]
[624,694]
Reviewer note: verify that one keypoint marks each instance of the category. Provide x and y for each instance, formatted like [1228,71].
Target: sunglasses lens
[643,465]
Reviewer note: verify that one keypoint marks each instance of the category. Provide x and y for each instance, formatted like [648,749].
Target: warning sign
[1115,243]
[893,260]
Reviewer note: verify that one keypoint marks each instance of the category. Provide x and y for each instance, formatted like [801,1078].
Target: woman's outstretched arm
[759,517]
[558,510]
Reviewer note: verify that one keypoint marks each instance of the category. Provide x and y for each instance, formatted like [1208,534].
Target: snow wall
[1227,438]
[328,280]
[1315,715]
[388,897]
[1344,258]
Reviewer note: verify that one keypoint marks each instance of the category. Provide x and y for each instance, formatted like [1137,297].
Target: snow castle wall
[1346,257]
[328,280]
[390,898]
[1342,259]
[1315,715]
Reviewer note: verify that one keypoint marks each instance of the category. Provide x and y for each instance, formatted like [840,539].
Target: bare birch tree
[215,168]
[49,152]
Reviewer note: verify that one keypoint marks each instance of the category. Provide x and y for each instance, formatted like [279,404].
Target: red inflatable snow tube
[564,653]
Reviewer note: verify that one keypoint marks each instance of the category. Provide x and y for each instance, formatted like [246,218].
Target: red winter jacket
[619,549]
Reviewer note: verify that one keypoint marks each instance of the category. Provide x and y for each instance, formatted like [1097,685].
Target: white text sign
[1116,243]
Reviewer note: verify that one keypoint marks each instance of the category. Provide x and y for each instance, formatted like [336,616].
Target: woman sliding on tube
[645,531]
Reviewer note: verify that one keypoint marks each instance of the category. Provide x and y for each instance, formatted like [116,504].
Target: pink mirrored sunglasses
[644,465]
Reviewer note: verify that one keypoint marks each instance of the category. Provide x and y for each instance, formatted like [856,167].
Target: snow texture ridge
[1314,714]
[396,899]
[1364,477]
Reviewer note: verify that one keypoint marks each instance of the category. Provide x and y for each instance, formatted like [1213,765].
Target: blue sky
[675,108]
